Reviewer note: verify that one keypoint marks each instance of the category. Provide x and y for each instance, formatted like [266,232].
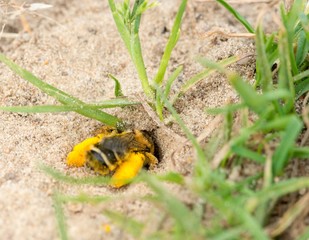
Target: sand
[74,46]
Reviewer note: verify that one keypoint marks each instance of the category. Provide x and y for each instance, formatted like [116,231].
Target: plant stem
[170,44]
[130,37]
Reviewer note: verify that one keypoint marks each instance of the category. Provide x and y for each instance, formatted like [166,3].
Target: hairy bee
[121,153]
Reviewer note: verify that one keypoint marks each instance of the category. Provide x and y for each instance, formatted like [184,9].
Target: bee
[122,153]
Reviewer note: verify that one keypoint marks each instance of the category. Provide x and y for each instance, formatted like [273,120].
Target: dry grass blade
[220,155]
[305,115]
[299,208]
[222,33]
[239,1]
[288,4]
[210,128]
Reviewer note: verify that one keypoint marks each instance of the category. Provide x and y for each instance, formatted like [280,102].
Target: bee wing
[133,144]
[126,142]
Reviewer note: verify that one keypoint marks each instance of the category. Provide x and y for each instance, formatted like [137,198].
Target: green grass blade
[112,103]
[302,48]
[228,207]
[219,66]
[122,29]
[135,7]
[305,24]
[305,235]
[301,88]
[50,90]
[130,37]
[60,217]
[276,190]
[186,225]
[67,108]
[277,94]
[240,18]
[159,107]
[243,136]
[145,6]
[228,234]
[136,50]
[281,155]
[61,96]
[117,90]
[72,180]
[228,125]
[225,109]
[263,67]
[38,109]
[190,136]
[85,198]
[254,101]
[277,124]
[247,153]
[300,152]
[171,80]
[137,58]
[172,177]
[125,222]
[290,21]
[205,73]
[158,79]
[301,75]
[287,35]
[271,48]
[252,225]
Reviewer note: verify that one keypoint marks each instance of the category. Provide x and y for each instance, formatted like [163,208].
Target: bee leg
[78,156]
[151,160]
[128,169]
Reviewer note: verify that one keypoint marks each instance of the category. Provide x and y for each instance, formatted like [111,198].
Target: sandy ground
[73,46]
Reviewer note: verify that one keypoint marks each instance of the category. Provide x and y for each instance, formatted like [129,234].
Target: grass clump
[268,136]
[263,129]
[128,20]
[266,133]
[241,209]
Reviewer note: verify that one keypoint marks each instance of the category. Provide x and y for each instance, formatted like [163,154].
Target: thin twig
[219,32]
[9,35]
[301,208]
[220,155]
[210,128]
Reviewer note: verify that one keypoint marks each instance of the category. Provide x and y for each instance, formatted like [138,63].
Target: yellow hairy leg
[77,157]
[151,160]
[128,169]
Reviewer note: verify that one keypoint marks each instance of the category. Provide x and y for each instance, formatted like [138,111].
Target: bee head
[146,139]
